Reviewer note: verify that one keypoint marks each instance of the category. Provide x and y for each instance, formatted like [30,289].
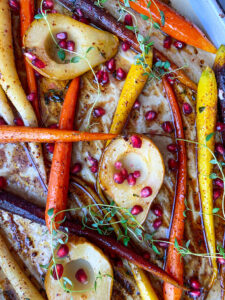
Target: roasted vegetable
[174,263]
[20,282]
[91,49]
[82,264]
[206,123]
[5,109]
[121,160]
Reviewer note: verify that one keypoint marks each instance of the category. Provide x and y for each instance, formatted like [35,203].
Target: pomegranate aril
[218,182]
[219,148]
[167,127]
[216,194]
[150,115]
[131,180]
[221,260]
[187,109]
[94,168]
[61,35]
[99,75]
[157,210]
[30,56]
[137,174]
[50,147]
[14,4]
[128,20]
[195,294]
[84,20]
[137,105]
[48,4]
[167,42]
[173,148]
[105,78]
[146,192]
[2,182]
[81,276]
[76,168]
[136,210]
[157,223]
[179,45]
[195,284]
[79,12]
[163,244]
[63,251]
[31,97]
[170,78]
[58,269]
[120,74]
[99,112]
[126,46]
[94,164]
[220,126]
[70,45]
[62,44]
[136,141]
[18,122]
[111,65]
[118,165]
[38,63]
[172,164]
[146,255]
[124,173]
[118,178]
[2,121]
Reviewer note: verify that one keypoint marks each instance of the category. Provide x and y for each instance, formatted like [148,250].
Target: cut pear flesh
[84,256]
[146,159]
[94,45]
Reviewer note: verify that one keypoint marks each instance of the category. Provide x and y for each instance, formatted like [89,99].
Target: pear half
[145,158]
[86,256]
[95,45]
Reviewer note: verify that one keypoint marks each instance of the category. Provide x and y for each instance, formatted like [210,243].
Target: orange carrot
[174,263]
[15,134]
[60,169]
[175,25]
[26,18]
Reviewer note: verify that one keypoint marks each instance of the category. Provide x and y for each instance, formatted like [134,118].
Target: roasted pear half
[91,47]
[131,173]
[83,269]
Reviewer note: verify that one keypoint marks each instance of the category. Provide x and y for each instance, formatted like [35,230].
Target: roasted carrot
[205,124]
[15,134]
[26,18]
[174,24]
[60,169]
[174,263]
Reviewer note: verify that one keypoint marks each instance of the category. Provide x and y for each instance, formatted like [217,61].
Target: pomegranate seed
[195,284]
[63,251]
[48,4]
[128,20]
[150,115]
[99,75]
[136,141]
[81,276]
[18,122]
[167,127]
[61,35]
[195,294]
[50,147]
[94,164]
[38,63]
[102,77]
[84,20]
[94,168]
[157,223]
[111,65]
[118,165]
[2,121]
[172,164]
[163,244]
[167,42]
[146,255]
[187,109]
[216,194]
[221,260]
[179,45]
[29,55]
[70,45]
[120,74]
[146,192]
[218,182]
[53,126]
[118,178]
[58,269]
[76,168]
[99,112]
[157,210]
[92,160]
[124,173]
[137,174]
[220,126]
[137,104]
[2,182]
[62,44]
[136,210]
[79,12]
[219,148]
[14,4]
[31,97]
[170,78]
[131,179]
[126,46]
[173,148]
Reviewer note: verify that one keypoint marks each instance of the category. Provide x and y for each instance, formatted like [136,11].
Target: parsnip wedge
[95,45]
[5,110]
[131,173]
